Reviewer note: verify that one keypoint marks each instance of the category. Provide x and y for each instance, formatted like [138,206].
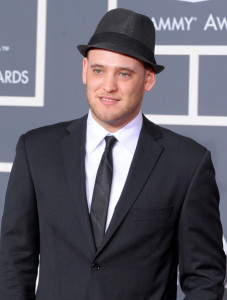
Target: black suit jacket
[167,214]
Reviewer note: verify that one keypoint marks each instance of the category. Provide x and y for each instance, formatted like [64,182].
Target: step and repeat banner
[40,71]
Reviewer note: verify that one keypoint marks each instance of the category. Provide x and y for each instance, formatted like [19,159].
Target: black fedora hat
[127,32]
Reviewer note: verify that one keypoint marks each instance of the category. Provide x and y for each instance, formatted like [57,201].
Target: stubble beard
[114,119]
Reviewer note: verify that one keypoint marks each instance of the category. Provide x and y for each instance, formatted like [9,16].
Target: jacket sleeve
[201,255]
[19,242]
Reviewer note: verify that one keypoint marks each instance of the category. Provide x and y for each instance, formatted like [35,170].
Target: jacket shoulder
[173,142]
[173,138]
[54,131]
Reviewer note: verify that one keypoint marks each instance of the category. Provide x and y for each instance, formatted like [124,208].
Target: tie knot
[110,141]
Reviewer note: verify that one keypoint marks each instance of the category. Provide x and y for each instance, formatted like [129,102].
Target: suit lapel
[145,158]
[73,150]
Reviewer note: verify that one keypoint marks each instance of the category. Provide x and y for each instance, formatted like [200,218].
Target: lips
[108,99]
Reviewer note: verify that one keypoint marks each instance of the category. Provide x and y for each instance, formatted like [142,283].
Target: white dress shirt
[123,151]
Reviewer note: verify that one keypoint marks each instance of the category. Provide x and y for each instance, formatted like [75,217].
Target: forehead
[111,58]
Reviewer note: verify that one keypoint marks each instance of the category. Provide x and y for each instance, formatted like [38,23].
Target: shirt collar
[128,135]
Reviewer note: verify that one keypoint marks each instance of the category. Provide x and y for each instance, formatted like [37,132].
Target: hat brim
[83,49]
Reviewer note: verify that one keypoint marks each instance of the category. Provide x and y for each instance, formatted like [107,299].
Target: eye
[97,71]
[124,74]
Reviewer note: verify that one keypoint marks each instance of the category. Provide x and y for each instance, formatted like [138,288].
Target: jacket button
[96,266]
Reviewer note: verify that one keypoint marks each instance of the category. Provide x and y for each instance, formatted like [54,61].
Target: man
[116,227]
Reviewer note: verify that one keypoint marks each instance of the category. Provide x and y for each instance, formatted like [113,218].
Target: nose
[109,83]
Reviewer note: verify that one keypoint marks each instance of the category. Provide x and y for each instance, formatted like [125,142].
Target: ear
[150,79]
[84,72]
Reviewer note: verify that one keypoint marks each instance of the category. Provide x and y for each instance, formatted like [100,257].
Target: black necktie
[101,193]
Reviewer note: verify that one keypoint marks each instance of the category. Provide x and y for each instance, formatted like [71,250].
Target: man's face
[115,85]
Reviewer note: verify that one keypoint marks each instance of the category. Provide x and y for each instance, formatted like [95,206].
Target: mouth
[108,99]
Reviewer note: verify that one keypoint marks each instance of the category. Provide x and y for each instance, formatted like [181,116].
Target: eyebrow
[97,65]
[120,68]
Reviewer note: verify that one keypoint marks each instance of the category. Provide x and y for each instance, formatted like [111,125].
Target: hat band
[123,40]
